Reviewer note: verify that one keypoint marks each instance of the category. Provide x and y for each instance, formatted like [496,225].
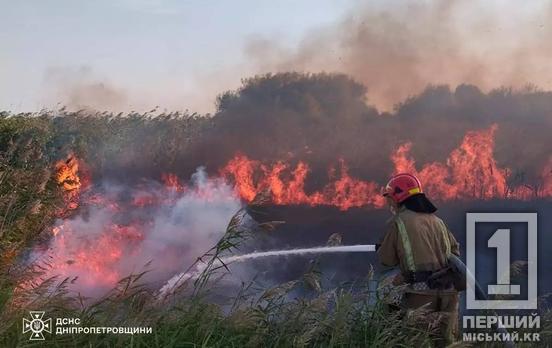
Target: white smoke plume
[112,239]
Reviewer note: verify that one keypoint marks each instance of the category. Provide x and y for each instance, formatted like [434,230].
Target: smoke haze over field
[80,89]
[395,48]
[333,105]
[320,119]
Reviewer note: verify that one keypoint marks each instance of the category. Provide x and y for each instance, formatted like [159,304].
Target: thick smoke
[119,235]
[419,73]
[323,118]
[397,48]
[319,119]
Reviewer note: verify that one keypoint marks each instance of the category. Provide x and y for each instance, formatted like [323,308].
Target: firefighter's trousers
[441,312]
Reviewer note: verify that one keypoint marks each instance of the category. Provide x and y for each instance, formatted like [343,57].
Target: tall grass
[343,316]
[298,313]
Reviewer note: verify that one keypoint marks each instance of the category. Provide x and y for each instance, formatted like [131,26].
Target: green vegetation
[31,199]
[143,145]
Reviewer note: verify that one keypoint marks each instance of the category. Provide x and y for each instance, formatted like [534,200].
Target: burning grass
[31,200]
[350,315]
[43,158]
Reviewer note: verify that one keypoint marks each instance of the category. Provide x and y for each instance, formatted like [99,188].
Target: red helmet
[402,186]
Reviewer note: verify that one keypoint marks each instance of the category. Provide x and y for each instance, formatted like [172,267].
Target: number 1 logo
[501,241]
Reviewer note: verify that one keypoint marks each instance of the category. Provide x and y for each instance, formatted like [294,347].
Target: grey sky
[152,52]
[123,55]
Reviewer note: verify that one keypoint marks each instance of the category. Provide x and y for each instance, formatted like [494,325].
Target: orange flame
[345,192]
[67,176]
[172,182]
[470,172]
[92,260]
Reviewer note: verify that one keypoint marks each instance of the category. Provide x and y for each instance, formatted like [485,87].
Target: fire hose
[465,272]
[458,265]
[454,261]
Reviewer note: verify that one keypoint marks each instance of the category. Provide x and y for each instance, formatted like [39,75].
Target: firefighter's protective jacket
[417,242]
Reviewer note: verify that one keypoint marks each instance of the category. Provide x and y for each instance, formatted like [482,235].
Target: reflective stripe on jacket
[424,244]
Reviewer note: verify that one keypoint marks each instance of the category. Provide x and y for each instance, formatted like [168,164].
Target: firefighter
[419,243]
